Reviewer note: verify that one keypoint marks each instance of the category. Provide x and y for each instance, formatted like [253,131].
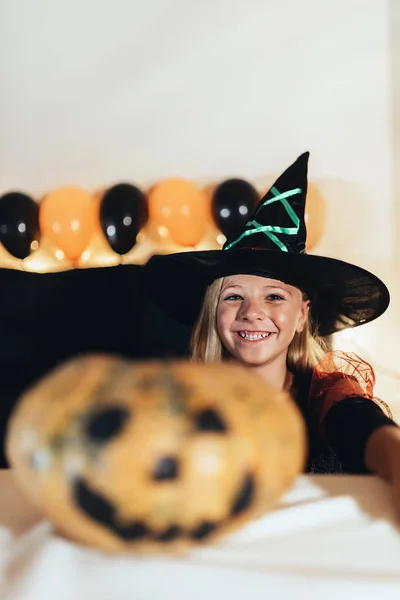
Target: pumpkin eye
[106,424]
[166,468]
[210,420]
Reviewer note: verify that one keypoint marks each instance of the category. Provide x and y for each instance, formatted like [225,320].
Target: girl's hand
[382,456]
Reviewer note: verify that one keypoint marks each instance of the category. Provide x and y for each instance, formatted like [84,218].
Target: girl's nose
[253,311]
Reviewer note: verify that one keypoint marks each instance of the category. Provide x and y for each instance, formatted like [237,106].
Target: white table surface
[330,537]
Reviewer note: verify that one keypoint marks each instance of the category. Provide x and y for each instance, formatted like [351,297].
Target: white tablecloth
[331,537]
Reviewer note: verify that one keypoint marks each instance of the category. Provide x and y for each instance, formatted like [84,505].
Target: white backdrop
[98,91]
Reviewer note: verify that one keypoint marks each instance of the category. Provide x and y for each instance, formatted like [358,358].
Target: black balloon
[19,223]
[123,212]
[233,203]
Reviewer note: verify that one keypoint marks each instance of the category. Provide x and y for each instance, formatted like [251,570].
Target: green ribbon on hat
[270,230]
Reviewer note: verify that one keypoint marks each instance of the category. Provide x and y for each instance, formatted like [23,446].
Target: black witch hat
[272,244]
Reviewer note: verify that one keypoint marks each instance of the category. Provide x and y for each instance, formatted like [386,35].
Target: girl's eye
[275,297]
[234,297]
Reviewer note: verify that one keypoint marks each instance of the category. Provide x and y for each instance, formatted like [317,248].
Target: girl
[263,302]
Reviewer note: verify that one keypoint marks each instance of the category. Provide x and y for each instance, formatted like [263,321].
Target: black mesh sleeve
[348,425]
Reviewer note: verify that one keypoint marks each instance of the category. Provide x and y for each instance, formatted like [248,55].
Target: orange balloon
[181,209]
[315,216]
[67,216]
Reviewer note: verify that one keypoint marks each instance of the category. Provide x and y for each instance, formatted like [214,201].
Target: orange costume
[338,402]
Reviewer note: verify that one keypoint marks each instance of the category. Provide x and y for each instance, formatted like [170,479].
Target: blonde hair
[304,352]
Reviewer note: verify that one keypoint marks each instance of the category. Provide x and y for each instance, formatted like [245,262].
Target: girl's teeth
[253,336]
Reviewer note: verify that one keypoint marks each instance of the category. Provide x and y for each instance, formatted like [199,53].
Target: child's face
[257,318]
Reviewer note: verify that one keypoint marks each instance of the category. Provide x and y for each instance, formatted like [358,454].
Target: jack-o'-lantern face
[154,456]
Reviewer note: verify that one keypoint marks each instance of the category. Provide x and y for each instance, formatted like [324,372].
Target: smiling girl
[264,303]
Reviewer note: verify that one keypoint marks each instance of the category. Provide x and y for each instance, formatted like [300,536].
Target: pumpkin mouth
[101,510]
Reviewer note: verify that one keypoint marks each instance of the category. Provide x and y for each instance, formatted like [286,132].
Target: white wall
[95,91]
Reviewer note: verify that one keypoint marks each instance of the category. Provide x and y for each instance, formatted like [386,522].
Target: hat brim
[342,295]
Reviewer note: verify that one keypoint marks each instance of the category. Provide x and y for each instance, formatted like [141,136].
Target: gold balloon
[213,240]
[315,216]
[46,259]
[150,240]
[98,254]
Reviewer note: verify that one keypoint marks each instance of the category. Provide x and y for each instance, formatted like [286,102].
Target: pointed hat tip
[302,161]
[305,156]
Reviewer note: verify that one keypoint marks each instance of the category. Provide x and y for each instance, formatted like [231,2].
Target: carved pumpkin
[153,456]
